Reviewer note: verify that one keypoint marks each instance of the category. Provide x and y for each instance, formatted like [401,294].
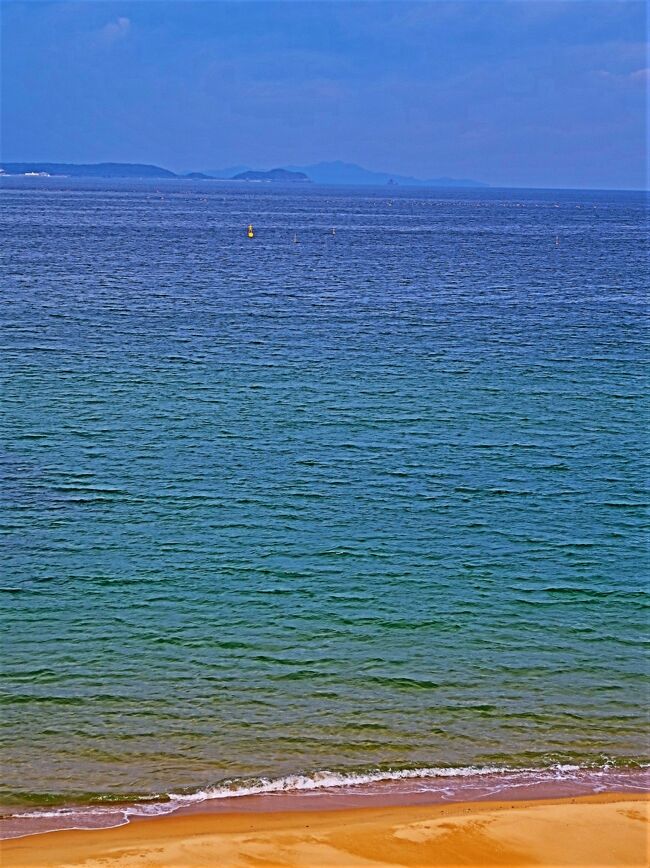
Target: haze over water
[369,500]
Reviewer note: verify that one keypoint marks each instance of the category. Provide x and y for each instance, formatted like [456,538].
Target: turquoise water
[369,501]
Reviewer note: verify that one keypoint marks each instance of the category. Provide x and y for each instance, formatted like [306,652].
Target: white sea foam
[329,780]
[445,783]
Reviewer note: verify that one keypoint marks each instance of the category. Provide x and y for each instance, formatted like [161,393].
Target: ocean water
[367,503]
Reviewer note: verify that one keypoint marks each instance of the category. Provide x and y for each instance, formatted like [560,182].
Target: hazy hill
[272,175]
[338,172]
[228,173]
[89,170]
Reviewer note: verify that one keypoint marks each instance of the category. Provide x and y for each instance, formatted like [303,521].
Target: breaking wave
[436,784]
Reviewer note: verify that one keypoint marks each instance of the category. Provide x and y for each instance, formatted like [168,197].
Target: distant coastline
[336,172]
[87,170]
[282,175]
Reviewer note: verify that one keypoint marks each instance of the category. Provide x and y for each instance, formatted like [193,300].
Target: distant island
[87,170]
[272,175]
[336,172]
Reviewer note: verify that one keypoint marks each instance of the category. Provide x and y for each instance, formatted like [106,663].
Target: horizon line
[183,177]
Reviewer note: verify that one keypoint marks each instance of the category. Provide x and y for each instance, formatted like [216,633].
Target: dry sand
[591,831]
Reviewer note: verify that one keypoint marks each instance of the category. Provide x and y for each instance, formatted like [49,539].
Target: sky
[512,92]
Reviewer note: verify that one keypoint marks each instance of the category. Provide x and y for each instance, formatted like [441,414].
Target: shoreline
[597,830]
[334,791]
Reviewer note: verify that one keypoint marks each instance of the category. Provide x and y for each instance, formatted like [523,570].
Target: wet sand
[594,831]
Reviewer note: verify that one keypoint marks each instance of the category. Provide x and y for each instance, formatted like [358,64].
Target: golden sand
[592,831]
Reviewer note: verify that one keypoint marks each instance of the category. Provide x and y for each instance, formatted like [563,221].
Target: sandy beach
[594,831]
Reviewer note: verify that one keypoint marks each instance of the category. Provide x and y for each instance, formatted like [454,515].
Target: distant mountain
[227,173]
[88,170]
[335,172]
[272,175]
[338,172]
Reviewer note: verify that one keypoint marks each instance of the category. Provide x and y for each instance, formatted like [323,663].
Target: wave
[328,780]
[335,780]
[434,784]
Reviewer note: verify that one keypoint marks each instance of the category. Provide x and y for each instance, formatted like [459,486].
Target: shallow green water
[374,499]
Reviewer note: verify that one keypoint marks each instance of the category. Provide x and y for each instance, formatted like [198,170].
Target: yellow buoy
[250,233]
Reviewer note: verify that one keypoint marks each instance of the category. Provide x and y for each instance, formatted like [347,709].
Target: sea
[357,503]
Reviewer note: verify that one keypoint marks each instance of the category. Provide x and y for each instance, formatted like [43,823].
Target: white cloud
[638,76]
[115,30]
[641,75]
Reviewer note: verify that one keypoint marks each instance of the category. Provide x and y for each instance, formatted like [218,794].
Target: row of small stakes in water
[251,233]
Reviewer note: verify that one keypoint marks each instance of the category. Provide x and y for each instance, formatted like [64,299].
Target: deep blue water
[372,499]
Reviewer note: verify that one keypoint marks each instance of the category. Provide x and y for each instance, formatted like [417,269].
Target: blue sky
[514,92]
